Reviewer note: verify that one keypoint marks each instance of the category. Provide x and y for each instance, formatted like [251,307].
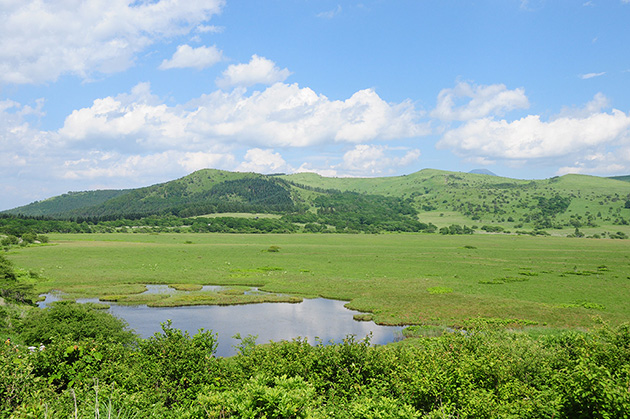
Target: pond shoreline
[318,320]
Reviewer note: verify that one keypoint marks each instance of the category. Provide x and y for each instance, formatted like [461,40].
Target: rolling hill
[430,196]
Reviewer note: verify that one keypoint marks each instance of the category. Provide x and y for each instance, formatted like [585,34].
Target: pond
[317,319]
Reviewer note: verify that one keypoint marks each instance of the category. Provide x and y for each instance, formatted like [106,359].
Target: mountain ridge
[428,195]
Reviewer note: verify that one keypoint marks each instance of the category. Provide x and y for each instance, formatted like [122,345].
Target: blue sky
[98,94]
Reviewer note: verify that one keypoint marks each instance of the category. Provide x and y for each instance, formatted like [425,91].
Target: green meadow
[422,279]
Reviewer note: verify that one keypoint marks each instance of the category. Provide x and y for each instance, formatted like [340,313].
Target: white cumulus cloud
[263,161]
[259,70]
[189,57]
[572,135]
[20,140]
[193,161]
[41,40]
[599,163]
[210,29]
[374,160]
[281,115]
[97,164]
[465,101]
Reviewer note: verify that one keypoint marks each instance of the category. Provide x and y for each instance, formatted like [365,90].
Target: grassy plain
[400,278]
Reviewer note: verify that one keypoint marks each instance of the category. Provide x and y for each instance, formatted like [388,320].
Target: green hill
[582,204]
[67,202]
[205,191]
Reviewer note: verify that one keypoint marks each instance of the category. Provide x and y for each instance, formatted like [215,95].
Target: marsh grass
[222,299]
[505,280]
[134,299]
[476,322]
[387,275]
[186,287]
[589,305]
[93,290]
[439,290]
[98,306]
[233,291]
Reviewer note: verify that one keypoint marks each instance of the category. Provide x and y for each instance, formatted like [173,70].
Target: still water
[316,320]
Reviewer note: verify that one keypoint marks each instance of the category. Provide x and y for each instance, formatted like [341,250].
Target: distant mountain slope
[482,172]
[67,202]
[205,191]
[442,197]
[623,178]
[433,196]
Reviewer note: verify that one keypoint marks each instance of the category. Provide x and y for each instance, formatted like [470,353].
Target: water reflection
[313,319]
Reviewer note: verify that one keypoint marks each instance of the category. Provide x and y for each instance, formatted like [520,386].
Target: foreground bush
[484,373]
[72,321]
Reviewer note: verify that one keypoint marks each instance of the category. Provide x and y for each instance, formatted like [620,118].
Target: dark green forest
[339,212]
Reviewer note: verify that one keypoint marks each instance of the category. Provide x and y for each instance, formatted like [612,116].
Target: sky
[112,94]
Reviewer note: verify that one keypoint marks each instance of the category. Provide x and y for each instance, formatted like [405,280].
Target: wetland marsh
[399,278]
[529,287]
[316,320]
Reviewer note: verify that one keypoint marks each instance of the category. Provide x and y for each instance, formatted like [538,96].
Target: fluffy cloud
[600,163]
[263,161]
[582,135]
[373,160]
[281,115]
[202,160]
[107,165]
[41,40]
[98,165]
[478,101]
[189,57]
[309,167]
[209,29]
[19,139]
[362,160]
[134,138]
[132,122]
[599,103]
[259,70]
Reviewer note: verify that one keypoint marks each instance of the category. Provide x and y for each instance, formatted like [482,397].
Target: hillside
[483,198]
[624,178]
[204,191]
[67,202]
[583,204]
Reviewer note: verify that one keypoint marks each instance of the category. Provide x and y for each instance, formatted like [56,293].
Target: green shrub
[10,288]
[17,383]
[176,365]
[10,240]
[6,270]
[482,372]
[261,397]
[377,408]
[74,322]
